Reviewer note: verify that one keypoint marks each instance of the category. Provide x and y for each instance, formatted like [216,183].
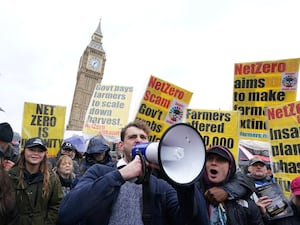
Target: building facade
[90,72]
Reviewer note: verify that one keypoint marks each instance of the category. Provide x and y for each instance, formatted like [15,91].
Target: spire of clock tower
[96,41]
[98,31]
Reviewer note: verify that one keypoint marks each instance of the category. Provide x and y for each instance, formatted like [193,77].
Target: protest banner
[46,122]
[261,84]
[284,134]
[108,111]
[162,104]
[217,127]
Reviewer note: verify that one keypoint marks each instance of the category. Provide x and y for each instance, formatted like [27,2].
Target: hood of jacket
[97,144]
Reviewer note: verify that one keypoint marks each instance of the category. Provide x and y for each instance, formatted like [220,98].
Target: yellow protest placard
[44,121]
[284,134]
[217,127]
[261,84]
[108,110]
[163,104]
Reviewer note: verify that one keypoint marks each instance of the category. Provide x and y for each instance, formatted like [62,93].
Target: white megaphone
[180,154]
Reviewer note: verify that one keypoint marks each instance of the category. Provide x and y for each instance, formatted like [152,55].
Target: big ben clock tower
[90,72]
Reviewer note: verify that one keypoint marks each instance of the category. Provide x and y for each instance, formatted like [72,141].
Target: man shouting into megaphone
[107,195]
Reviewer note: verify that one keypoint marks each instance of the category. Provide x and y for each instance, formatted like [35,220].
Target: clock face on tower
[94,63]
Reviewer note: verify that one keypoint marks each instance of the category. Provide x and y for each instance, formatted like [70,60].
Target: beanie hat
[295,186]
[6,132]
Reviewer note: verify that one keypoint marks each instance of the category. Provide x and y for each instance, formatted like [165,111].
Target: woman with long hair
[38,189]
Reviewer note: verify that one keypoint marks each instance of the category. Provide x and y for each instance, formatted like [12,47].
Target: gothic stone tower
[90,72]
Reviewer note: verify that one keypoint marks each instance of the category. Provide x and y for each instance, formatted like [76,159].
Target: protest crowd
[96,188]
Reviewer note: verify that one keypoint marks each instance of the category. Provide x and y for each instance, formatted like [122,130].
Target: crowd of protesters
[93,188]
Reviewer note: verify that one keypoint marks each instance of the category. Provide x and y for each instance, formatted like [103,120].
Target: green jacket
[33,209]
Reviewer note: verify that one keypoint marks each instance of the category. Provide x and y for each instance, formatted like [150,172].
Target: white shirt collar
[121,163]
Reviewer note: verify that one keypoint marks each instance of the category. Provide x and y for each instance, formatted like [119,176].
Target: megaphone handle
[141,178]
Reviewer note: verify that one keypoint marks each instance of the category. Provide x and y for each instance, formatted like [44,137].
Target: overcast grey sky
[190,43]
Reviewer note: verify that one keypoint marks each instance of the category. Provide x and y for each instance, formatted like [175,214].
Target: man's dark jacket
[91,201]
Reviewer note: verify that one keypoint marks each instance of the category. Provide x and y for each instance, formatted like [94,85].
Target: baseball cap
[295,186]
[219,151]
[68,146]
[36,142]
[256,160]
[227,155]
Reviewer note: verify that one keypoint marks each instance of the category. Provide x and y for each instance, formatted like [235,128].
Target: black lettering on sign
[43,132]
[210,116]
[284,133]
[286,167]
[253,124]
[285,184]
[43,121]
[154,126]
[44,109]
[148,111]
[267,96]
[286,149]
